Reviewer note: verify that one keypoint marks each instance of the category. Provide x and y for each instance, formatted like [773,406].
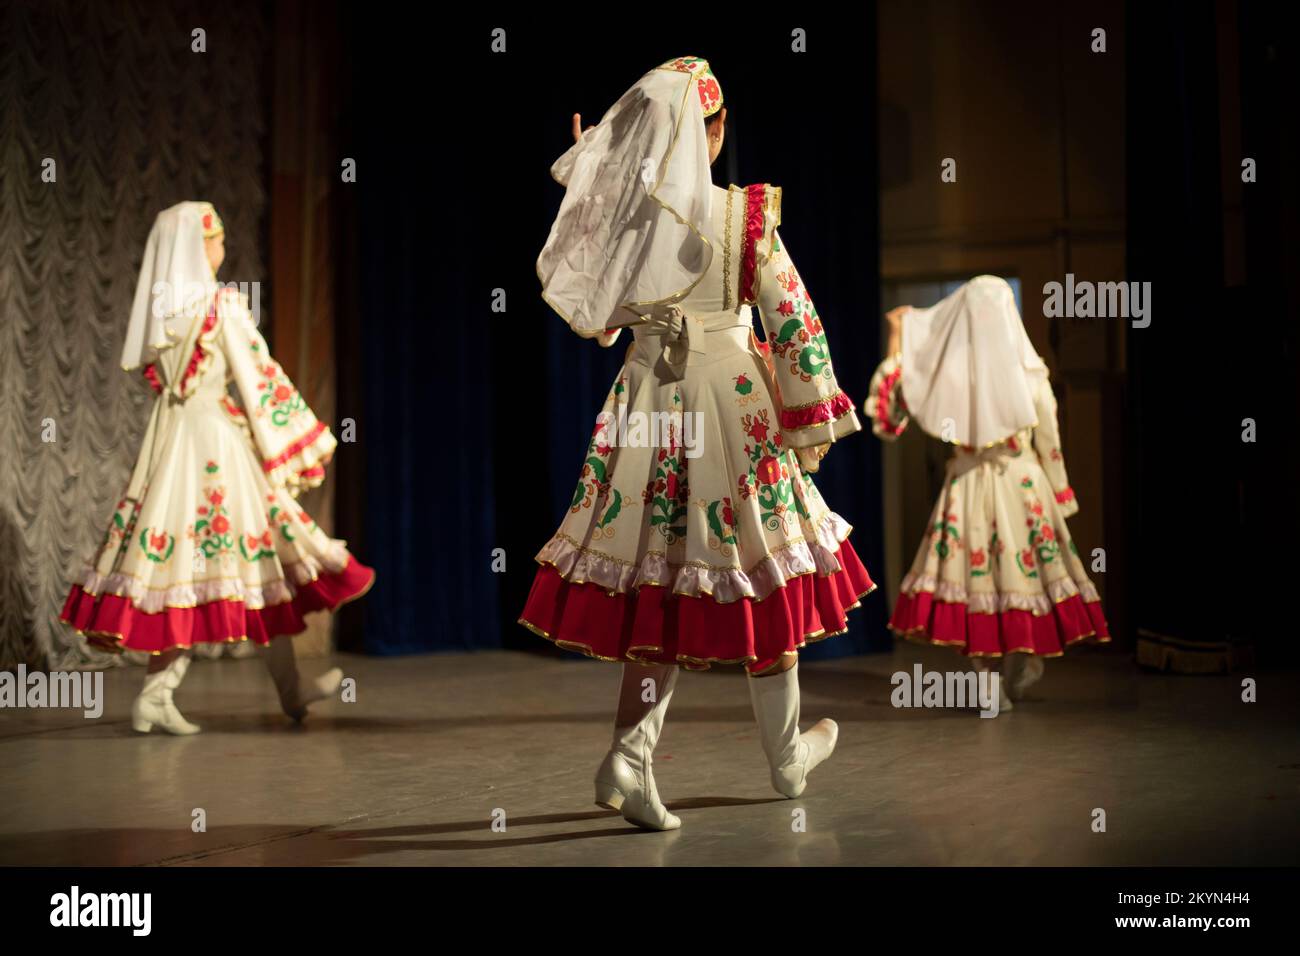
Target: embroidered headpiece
[705,82]
[212,225]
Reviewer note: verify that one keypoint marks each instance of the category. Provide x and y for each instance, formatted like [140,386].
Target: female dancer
[695,534]
[997,574]
[207,544]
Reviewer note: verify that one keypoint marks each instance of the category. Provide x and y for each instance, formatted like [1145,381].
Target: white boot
[155,704]
[240,650]
[792,755]
[1004,702]
[1020,672]
[294,697]
[625,780]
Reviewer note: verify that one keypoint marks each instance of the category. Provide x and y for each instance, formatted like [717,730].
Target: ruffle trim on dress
[653,625]
[884,403]
[113,622]
[201,357]
[822,412]
[754,201]
[301,466]
[762,216]
[992,602]
[921,616]
[828,419]
[798,557]
[153,600]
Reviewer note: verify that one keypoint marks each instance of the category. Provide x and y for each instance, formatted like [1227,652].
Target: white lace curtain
[134,121]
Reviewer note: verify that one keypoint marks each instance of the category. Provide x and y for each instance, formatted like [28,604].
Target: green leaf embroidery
[615,506]
[788,330]
[812,360]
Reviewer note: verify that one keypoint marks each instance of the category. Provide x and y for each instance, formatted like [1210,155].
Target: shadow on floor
[321,845]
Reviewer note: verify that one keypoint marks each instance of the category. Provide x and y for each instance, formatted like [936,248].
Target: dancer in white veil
[695,534]
[207,544]
[997,574]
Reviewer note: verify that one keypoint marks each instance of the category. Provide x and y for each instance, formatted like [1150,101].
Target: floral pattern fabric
[813,408]
[997,542]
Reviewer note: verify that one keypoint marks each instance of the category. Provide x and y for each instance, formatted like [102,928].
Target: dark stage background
[474,423]
[1209,520]
[470,424]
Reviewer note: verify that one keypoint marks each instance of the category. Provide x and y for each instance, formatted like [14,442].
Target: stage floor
[412,773]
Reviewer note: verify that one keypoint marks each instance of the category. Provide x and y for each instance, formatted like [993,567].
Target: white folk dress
[693,535]
[208,543]
[997,571]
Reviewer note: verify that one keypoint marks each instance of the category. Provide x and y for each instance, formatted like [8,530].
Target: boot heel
[141,726]
[608,796]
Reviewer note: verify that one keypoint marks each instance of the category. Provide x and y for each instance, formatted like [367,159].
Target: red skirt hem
[112,622]
[652,625]
[920,617]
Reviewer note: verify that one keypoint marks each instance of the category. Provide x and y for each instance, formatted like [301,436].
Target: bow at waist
[684,336]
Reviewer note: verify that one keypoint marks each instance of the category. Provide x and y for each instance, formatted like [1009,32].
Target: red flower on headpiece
[709,93]
[207,220]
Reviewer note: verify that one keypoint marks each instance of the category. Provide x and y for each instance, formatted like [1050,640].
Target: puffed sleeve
[885,405]
[293,445]
[814,409]
[1047,442]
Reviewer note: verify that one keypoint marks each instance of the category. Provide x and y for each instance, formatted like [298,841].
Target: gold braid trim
[726,252]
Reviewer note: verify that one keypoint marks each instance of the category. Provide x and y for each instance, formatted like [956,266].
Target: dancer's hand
[577,127]
[810,459]
[894,319]
[895,316]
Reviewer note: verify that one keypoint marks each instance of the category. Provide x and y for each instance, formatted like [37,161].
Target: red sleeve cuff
[817,413]
[882,403]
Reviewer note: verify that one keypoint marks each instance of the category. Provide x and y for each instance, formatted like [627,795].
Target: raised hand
[895,316]
[894,319]
[577,127]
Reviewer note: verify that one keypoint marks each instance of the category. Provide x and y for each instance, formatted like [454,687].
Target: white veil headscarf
[631,230]
[175,284]
[969,369]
